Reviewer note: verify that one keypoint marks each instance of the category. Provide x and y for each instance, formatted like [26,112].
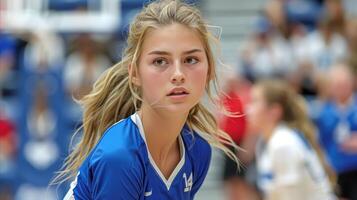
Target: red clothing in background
[7,137]
[234,126]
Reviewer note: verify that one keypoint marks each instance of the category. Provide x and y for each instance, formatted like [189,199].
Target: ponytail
[110,101]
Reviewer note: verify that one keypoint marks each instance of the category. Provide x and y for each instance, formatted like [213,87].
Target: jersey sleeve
[203,152]
[116,175]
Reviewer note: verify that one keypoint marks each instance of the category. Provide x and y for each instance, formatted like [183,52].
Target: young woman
[145,133]
[289,160]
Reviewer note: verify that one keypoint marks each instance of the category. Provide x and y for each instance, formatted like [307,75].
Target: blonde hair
[294,114]
[115,97]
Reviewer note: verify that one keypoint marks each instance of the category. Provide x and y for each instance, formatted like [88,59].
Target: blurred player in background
[145,133]
[337,123]
[235,185]
[289,160]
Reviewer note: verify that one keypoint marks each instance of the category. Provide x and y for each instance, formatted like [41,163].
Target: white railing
[25,15]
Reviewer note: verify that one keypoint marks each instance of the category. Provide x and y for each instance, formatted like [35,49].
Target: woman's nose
[178,76]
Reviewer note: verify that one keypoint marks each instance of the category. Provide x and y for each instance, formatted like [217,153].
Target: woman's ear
[134,75]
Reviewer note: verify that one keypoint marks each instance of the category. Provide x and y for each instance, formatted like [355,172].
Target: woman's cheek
[199,78]
[152,83]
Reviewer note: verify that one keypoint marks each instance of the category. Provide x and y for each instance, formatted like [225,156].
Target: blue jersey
[336,126]
[121,167]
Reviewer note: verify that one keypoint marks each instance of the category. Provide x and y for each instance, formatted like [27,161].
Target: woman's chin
[173,109]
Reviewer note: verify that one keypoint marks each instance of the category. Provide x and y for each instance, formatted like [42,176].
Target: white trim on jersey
[69,195]
[136,119]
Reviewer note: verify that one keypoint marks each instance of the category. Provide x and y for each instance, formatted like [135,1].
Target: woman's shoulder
[116,160]
[285,139]
[120,142]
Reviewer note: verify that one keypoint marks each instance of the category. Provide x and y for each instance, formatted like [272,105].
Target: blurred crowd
[42,74]
[309,44]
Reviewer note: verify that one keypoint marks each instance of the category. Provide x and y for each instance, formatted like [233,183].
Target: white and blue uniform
[336,126]
[120,167]
[288,168]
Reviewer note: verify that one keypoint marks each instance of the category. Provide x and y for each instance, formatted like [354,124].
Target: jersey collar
[136,119]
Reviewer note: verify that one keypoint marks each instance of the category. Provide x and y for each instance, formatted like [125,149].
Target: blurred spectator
[336,15]
[275,13]
[8,147]
[316,102]
[298,34]
[236,187]
[235,125]
[305,54]
[7,56]
[267,53]
[8,130]
[303,12]
[84,66]
[351,35]
[325,46]
[41,123]
[40,152]
[319,50]
[301,74]
[337,125]
[45,51]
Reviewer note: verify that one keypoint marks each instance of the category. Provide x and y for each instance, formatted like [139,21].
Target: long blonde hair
[115,97]
[294,114]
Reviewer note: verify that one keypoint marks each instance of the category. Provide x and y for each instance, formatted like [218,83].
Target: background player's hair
[294,114]
[115,97]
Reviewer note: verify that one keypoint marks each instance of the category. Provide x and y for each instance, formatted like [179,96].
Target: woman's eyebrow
[159,53]
[193,51]
[168,53]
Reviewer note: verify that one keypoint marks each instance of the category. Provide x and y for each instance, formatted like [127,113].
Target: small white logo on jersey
[148,193]
[188,182]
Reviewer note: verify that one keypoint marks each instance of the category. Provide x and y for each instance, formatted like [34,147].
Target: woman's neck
[161,132]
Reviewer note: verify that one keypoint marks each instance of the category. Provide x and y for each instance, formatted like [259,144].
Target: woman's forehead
[172,38]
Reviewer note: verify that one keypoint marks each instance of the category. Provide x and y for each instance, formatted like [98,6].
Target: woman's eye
[191,60]
[160,62]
